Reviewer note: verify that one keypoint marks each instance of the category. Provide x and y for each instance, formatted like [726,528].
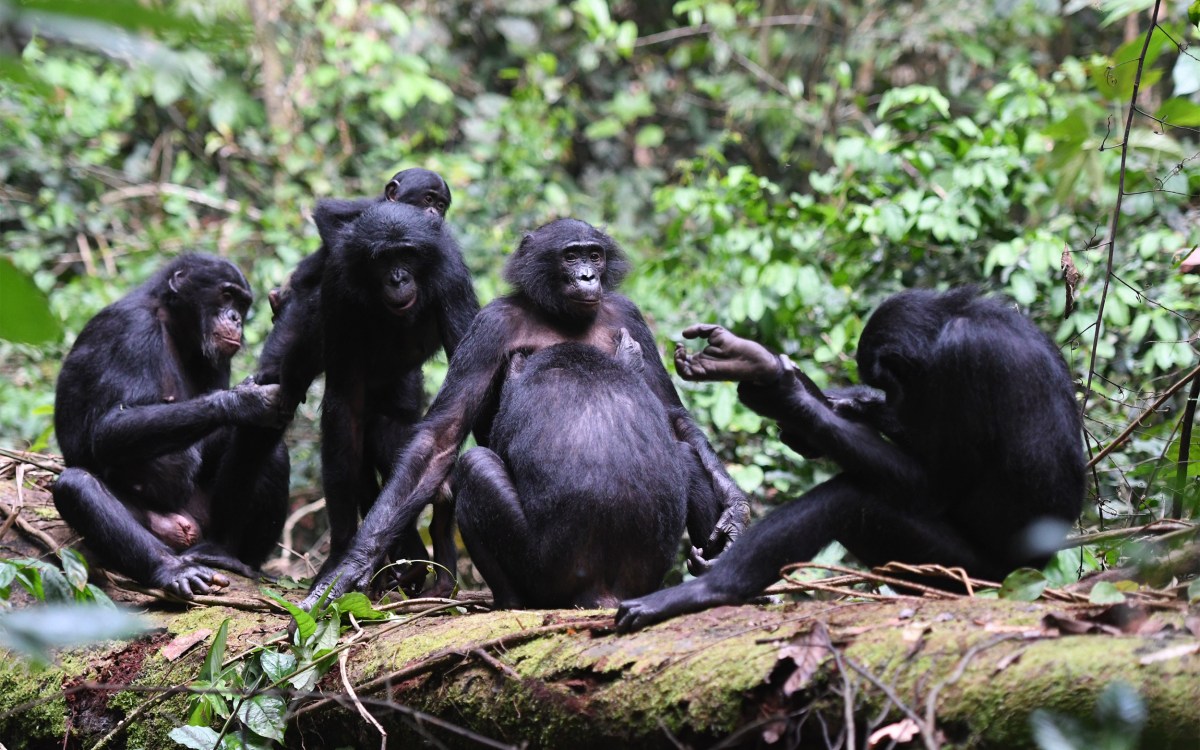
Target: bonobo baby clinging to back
[970,457]
[144,415]
[563,277]
[293,354]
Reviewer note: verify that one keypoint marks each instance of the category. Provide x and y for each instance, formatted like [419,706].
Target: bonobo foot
[210,553]
[693,596]
[186,579]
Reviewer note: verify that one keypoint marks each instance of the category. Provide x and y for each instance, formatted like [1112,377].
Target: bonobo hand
[728,528]
[353,573]
[249,403]
[693,596]
[186,579]
[727,357]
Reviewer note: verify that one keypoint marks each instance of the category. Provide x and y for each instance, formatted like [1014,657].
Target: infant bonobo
[968,455]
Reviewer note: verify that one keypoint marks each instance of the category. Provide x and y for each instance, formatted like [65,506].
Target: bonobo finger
[701,330]
[697,565]
[218,580]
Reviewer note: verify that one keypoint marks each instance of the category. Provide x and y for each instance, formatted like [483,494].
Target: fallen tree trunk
[966,671]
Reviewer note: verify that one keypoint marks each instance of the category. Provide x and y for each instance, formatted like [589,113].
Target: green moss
[32,707]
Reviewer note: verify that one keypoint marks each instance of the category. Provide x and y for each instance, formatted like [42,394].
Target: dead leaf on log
[180,645]
[902,731]
[806,654]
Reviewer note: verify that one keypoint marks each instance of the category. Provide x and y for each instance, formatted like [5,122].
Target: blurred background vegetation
[778,167]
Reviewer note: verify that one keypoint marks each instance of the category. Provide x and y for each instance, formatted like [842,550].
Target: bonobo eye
[595,256]
[429,200]
[570,256]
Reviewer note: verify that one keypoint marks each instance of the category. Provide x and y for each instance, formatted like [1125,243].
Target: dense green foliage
[777,167]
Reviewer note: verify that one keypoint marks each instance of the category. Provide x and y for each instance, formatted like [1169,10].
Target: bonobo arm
[736,509]
[857,447]
[126,432]
[475,371]
[457,302]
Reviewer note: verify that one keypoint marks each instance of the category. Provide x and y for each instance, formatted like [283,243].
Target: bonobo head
[383,257]
[421,188]
[203,300]
[899,339]
[565,267]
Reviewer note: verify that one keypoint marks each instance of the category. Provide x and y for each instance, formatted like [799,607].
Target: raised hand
[726,357]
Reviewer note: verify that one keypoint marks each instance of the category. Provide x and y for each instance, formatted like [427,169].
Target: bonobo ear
[175,283]
[391,191]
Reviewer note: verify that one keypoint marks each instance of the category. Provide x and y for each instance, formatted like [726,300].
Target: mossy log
[963,672]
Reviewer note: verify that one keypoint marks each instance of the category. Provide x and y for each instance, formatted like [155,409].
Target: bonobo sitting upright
[597,518]
[144,415]
[970,458]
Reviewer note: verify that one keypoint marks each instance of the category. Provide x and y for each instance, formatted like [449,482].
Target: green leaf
[1180,112]
[216,654]
[1105,593]
[25,315]
[264,715]
[1193,591]
[276,665]
[305,624]
[75,568]
[198,738]
[1023,585]
[356,603]
[1194,13]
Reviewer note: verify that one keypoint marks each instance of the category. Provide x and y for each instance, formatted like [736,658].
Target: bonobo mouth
[227,346]
[400,307]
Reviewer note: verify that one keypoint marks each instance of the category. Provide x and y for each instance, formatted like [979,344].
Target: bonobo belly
[165,483]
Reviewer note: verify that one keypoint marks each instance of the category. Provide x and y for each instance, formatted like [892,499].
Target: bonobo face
[397,284]
[229,310]
[421,188]
[208,299]
[582,269]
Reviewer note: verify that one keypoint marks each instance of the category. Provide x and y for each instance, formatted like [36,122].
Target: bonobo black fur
[144,415]
[563,276]
[395,291]
[973,459]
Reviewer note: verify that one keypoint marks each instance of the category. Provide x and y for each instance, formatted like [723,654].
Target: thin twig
[189,194]
[1185,449]
[16,511]
[29,458]
[1119,440]
[1114,220]
[706,28]
[343,668]
[1162,526]
[437,658]
[28,529]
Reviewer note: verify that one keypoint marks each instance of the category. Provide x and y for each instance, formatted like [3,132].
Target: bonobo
[144,415]
[293,354]
[582,494]
[563,277]
[394,293]
[972,458]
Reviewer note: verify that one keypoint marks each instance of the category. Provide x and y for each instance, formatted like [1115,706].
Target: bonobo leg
[841,509]
[490,514]
[249,501]
[112,531]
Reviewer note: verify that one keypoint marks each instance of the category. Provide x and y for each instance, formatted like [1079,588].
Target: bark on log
[967,672]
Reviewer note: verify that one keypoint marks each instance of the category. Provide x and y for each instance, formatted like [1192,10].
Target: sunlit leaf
[25,315]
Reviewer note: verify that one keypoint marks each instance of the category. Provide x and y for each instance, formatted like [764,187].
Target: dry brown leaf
[180,645]
[902,731]
[807,652]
